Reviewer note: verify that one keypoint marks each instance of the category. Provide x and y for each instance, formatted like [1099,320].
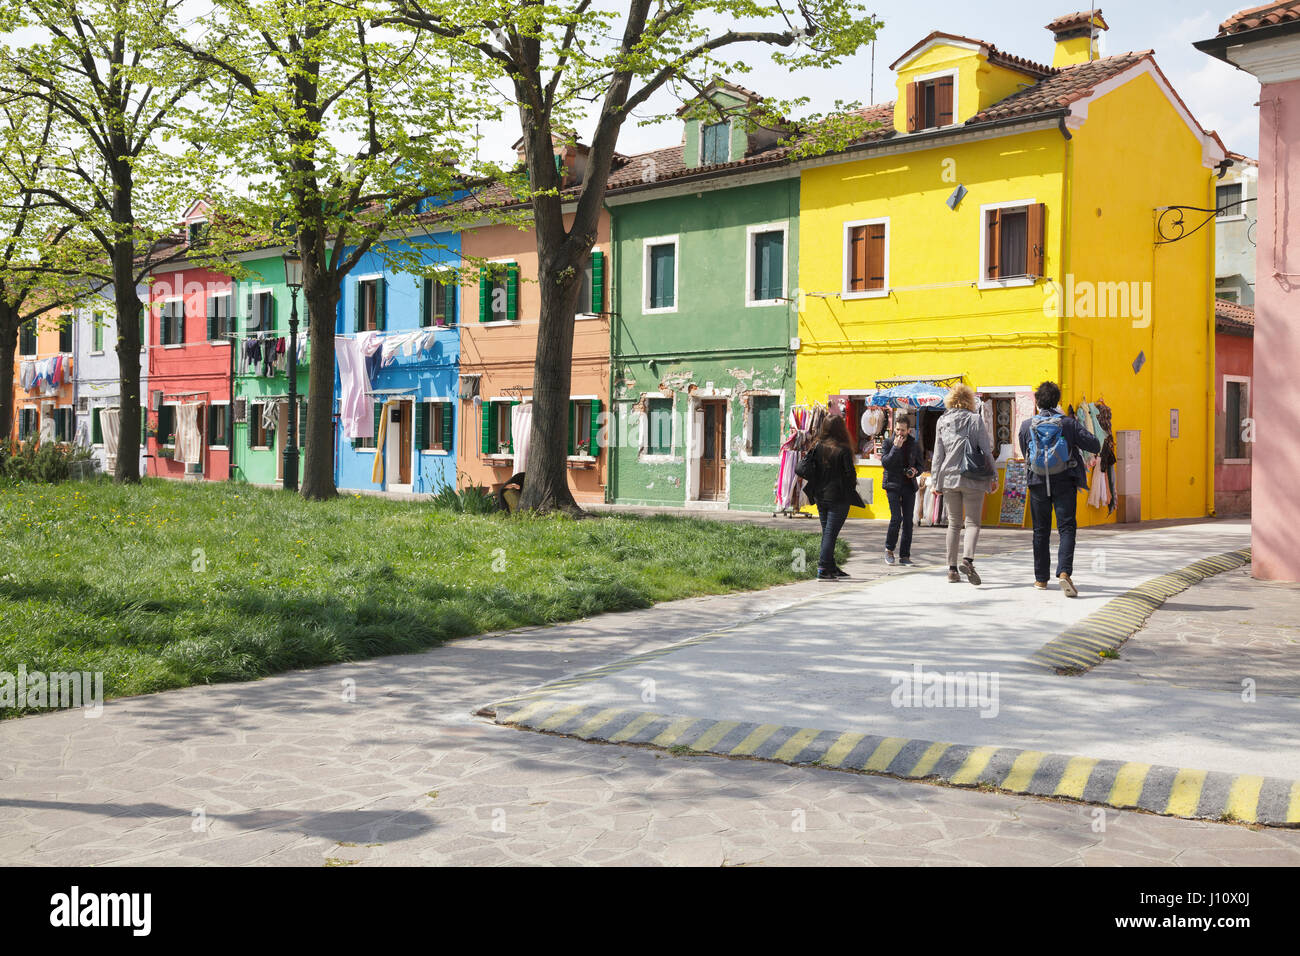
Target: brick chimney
[1076,37]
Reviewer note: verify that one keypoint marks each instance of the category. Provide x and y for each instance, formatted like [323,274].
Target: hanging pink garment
[355,411]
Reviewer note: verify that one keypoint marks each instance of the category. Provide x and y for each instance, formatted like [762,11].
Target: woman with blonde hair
[963,473]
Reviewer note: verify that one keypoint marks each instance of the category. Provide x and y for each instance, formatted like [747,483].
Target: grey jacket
[958,429]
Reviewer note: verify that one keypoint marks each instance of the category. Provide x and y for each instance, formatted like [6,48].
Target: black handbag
[977,464]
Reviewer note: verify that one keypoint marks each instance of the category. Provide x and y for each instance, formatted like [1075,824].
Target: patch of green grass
[1109,653]
[168,584]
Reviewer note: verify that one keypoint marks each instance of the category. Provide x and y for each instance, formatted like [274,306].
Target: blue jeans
[832,518]
[1064,501]
[902,502]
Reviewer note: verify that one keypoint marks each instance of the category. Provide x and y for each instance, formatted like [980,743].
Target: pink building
[1234,375]
[1265,42]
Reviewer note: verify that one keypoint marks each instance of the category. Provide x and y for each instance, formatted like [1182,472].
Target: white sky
[1220,97]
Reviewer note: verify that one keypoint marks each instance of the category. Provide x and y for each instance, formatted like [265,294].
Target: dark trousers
[902,502]
[832,518]
[1064,500]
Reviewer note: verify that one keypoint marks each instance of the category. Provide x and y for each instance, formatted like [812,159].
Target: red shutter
[875,249]
[913,121]
[943,101]
[993,244]
[1036,236]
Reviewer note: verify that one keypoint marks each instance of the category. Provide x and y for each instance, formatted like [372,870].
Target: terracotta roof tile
[994,54]
[1230,316]
[1266,15]
[1060,89]
[1077,21]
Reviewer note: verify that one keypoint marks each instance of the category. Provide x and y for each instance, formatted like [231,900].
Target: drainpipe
[610,457]
[1066,224]
[1211,362]
[234,344]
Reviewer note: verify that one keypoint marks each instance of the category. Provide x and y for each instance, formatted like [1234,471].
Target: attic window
[196,232]
[715,143]
[929,103]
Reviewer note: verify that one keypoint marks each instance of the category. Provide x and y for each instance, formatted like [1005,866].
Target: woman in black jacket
[901,462]
[833,485]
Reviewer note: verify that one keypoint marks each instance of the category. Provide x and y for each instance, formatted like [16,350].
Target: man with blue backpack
[1052,442]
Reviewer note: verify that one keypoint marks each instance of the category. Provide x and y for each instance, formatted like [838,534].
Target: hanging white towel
[521,430]
[189,444]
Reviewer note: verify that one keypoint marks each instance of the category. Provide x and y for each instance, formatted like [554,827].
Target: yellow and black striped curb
[1082,645]
[1169,791]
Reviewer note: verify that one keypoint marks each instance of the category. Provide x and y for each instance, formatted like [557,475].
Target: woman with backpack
[963,473]
[1052,441]
[832,483]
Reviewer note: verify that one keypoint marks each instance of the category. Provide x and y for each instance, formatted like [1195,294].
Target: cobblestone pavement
[285,771]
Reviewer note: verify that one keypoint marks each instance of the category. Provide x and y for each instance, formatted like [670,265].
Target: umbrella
[912,395]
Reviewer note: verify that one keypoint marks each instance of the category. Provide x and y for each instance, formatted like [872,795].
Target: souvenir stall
[802,424]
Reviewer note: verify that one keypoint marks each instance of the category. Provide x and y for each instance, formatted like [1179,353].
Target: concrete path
[856,662]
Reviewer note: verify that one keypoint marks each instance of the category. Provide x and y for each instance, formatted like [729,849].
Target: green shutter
[597,282]
[593,448]
[357,318]
[559,167]
[426,302]
[379,414]
[766,432]
[573,427]
[381,303]
[511,423]
[302,423]
[446,426]
[254,415]
[96,429]
[453,293]
[487,426]
[421,426]
[512,292]
[484,295]
[212,318]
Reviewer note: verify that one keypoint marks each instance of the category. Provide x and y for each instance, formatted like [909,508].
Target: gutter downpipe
[1066,241]
[610,446]
[1212,393]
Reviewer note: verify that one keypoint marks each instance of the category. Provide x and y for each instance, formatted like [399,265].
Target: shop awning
[911,395]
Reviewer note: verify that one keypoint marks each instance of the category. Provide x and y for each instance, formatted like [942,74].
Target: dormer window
[195,231]
[715,143]
[930,103]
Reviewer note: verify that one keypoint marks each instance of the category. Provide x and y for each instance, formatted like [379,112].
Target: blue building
[411,325]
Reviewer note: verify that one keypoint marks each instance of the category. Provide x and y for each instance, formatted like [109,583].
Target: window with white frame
[763,426]
[171,322]
[765,256]
[1228,200]
[660,275]
[866,258]
[658,438]
[1236,409]
[1012,239]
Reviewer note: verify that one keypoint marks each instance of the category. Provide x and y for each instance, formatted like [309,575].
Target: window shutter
[453,294]
[858,259]
[358,307]
[445,409]
[179,308]
[302,423]
[573,426]
[268,321]
[993,244]
[512,293]
[381,303]
[512,426]
[426,302]
[254,422]
[597,281]
[421,426]
[943,104]
[248,312]
[1037,239]
[96,429]
[487,426]
[593,448]
[875,274]
[212,318]
[913,122]
[379,414]
[241,409]
[484,295]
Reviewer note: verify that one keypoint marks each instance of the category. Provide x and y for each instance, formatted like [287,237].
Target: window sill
[499,461]
[873,294]
[218,448]
[763,303]
[174,345]
[648,459]
[435,451]
[586,316]
[664,311]
[100,352]
[1236,461]
[1237,218]
[1020,282]
[496,323]
[259,448]
[219,342]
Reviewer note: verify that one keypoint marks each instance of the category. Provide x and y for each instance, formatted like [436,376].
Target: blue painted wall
[433,374]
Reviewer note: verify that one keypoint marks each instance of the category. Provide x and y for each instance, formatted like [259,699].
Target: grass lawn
[167,584]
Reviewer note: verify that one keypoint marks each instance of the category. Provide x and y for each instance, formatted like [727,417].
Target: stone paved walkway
[284,771]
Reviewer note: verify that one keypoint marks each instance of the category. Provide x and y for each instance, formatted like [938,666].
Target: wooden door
[404,450]
[713,456]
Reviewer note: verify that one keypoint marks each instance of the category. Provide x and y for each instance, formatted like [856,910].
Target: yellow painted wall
[1134,154]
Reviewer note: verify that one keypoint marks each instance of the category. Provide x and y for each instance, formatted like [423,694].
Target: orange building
[498,345]
[43,392]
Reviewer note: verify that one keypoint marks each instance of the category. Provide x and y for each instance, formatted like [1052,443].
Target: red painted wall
[1233,355]
[195,366]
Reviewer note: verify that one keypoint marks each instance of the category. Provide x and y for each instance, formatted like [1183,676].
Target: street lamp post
[293,279]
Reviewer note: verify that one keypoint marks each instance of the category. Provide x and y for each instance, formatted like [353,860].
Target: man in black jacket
[901,461]
[1057,492]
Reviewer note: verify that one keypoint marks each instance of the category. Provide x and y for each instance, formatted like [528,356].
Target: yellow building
[1002,231]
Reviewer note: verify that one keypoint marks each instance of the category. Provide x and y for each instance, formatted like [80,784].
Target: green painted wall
[260,466]
[714,343]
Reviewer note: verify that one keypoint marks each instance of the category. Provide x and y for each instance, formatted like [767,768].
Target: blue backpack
[1049,452]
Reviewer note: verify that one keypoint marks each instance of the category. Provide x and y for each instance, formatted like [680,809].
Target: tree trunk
[8,347]
[546,485]
[129,308]
[318,466]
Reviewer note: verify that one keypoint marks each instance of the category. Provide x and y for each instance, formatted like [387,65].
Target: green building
[704,238]
[261,305]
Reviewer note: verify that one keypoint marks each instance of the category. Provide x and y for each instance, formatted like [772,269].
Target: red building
[188,417]
[1234,432]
